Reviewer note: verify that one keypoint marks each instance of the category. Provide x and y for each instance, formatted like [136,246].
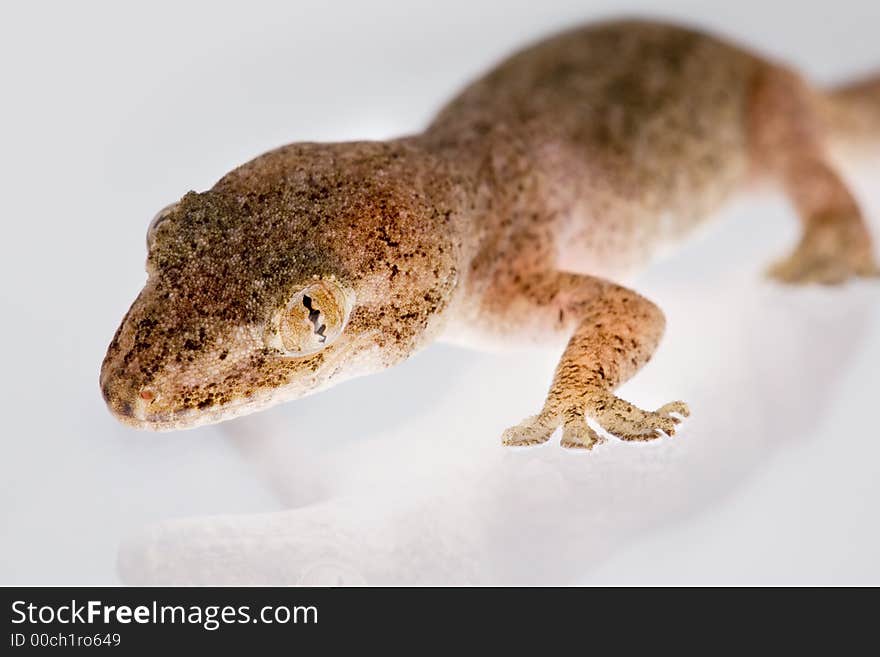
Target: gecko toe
[531,431]
[677,407]
[577,434]
[640,437]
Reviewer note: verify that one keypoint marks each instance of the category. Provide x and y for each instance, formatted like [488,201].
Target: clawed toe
[655,425]
[806,266]
[677,407]
[802,271]
[531,431]
[653,434]
[577,434]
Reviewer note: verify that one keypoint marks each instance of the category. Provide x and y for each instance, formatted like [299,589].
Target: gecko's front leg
[615,332]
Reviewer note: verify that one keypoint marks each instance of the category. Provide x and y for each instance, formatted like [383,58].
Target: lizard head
[305,267]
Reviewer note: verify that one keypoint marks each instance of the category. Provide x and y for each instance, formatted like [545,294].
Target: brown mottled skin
[568,165]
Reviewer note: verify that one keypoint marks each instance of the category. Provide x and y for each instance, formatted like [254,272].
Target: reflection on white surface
[400,477]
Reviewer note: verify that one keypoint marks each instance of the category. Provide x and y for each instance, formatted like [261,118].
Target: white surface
[111,112]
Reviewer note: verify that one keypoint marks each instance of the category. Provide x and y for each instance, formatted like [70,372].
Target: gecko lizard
[508,219]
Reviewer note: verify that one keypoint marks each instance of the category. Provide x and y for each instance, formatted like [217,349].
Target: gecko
[511,219]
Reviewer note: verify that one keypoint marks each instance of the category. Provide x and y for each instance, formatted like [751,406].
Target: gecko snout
[162,375]
[129,402]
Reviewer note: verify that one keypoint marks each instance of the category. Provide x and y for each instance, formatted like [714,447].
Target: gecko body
[508,219]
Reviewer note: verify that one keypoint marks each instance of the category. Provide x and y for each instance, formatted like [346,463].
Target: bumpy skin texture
[564,168]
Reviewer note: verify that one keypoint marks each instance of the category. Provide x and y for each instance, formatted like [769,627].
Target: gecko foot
[830,253]
[616,416]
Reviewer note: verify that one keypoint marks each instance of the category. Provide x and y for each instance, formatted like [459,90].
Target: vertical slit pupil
[314,316]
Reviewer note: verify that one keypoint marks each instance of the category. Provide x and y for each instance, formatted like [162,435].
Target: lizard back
[633,130]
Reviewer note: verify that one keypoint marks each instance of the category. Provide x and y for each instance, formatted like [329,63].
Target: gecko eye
[161,216]
[311,320]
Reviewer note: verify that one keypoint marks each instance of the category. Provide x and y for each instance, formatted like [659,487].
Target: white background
[109,112]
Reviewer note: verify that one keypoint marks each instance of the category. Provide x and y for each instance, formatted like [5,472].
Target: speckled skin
[564,168]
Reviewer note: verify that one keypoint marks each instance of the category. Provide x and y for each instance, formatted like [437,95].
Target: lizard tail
[851,114]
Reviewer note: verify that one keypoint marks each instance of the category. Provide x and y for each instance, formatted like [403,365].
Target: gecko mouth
[132,405]
[147,406]
[133,410]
